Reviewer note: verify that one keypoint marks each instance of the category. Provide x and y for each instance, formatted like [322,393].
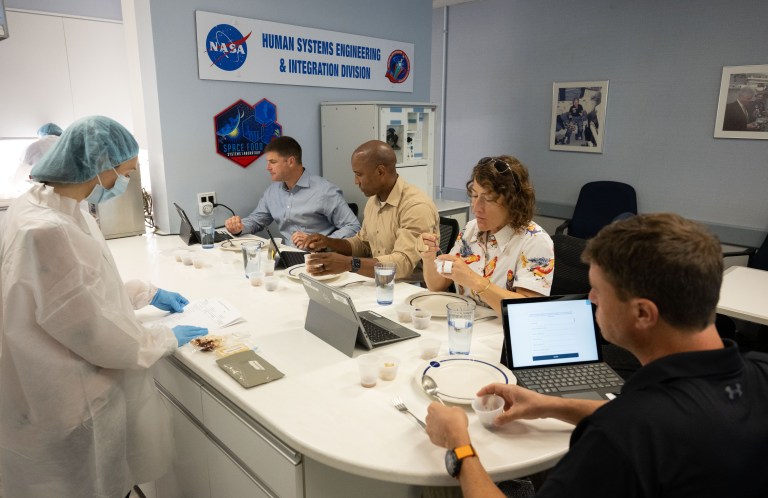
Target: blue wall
[187,104]
[664,62]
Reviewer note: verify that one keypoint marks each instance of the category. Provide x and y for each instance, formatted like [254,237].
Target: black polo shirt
[689,424]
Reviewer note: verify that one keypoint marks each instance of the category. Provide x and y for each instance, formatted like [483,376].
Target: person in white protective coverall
[79,412]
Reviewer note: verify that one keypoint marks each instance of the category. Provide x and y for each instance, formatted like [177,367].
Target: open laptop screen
[556,330]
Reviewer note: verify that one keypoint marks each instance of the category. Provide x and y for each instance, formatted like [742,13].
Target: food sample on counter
[207,343]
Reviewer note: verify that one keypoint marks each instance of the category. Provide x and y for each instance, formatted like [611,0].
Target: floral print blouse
[509,259]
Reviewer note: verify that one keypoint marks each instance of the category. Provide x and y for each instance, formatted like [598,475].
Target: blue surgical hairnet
[86,148]
[49,129]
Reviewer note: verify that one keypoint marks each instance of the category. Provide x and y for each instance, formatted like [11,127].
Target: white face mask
[100,194]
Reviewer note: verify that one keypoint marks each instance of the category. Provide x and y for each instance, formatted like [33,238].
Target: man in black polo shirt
[693,421]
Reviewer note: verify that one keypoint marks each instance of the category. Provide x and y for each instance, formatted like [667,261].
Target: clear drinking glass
[385,282]
[460,319]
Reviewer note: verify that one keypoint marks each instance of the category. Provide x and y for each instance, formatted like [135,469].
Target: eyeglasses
[500,166]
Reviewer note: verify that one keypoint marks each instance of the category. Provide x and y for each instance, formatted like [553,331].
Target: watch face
[452,463]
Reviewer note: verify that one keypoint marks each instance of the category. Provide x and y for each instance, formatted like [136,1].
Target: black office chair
[353,207]
[571,274]
[599,203]
[449,231]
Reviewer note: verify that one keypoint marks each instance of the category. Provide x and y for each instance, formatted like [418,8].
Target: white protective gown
[79,412]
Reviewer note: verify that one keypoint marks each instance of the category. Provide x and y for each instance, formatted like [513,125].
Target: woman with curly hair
[502,253]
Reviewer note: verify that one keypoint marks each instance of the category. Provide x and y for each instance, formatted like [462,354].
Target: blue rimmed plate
[459,378]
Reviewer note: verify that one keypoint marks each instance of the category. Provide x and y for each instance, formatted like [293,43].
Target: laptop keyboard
[291,258]
[377,334]
[569,378]
[221,236]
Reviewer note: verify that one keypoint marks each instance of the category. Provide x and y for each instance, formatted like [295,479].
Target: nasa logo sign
[243,131]
[398,67]
[226,47]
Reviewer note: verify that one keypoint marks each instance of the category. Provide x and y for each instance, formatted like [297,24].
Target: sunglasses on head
[500,166]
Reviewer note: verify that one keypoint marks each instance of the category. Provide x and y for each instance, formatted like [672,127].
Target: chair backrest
[449,231]
[571,274]
[759,259]
[353,207]
[597,206]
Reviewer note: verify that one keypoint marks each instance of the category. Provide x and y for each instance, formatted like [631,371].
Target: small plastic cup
[271,283]
[388,368]
[369,369]
[199,261]
[421,318]
[308,266]
[268,265]
[256,278]
[404,313]
[488,407]
[429,348]
[187,258]
[179,255]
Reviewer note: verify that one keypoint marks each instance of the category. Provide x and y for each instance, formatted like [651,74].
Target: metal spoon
[430,387]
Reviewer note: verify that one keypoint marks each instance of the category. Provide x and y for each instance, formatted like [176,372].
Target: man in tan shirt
[395,216]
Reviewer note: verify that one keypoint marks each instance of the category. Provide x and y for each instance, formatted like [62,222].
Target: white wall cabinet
[346,125]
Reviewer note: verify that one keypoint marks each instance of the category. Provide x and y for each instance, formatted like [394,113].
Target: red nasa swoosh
[236,42]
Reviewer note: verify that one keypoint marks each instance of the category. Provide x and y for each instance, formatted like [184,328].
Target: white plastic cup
[384,274]
[404,313]
[487,408]
[199,261]
[256,278]
[460,319]
[268,265]
[388,368]
[421,318]
[271,283]
[368,365]
[187,259]
[429,348]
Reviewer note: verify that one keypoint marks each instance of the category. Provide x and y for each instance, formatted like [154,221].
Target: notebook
[552,346]
[332,317]
[191,236]
[287,258]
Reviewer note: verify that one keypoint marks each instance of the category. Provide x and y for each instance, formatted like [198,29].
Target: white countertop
[319,407]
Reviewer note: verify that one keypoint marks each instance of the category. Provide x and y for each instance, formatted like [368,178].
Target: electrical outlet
[205,203]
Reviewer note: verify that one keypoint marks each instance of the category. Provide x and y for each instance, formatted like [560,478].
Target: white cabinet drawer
[228,479]
[269,459]
[178,382]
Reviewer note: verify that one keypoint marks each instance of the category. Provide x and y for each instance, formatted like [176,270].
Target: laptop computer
[191,236]
[333,318]
[552,346]
[286,258]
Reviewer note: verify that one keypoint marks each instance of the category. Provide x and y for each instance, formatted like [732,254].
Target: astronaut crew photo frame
[578,116]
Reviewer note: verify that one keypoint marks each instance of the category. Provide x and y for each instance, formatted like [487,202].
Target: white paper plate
[296,270]
[458,378]
[236,243]
[435,301]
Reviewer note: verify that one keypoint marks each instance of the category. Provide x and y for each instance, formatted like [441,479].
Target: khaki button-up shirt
[392,229]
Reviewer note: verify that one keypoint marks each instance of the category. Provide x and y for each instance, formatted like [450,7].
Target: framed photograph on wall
[742,109]
[578,116]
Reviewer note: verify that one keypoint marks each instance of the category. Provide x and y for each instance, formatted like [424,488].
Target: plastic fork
[398,403]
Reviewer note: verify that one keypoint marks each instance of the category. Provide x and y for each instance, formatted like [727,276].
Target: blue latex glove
[169,301]
[185,333]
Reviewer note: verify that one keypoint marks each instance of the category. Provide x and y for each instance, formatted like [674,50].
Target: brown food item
[207,343]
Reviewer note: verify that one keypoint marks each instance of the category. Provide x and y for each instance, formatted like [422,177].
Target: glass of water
[460,319]
[385,282]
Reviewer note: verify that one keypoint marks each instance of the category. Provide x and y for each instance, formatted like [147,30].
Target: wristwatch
[355,265]
[454,457]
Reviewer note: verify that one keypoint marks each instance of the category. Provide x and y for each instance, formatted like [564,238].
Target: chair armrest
[561,229]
